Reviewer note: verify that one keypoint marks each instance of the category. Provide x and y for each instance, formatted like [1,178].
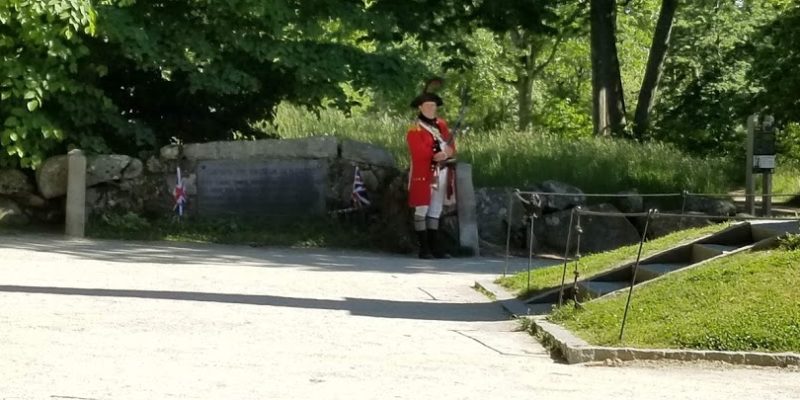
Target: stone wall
[387,220]
[120,183]
[341,157]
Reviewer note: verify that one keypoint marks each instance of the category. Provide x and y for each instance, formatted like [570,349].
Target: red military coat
[420,145]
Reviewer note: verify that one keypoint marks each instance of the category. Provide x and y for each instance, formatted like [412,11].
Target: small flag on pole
[359,195]
[179,195]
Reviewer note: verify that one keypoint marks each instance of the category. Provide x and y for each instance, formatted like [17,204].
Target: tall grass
[519,159]
[593,164]
[383,130]
[785,181]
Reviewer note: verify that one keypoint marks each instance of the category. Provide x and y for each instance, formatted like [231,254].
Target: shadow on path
[181,253]
[439,311]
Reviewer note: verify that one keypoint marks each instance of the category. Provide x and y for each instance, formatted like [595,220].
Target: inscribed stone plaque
[263,187]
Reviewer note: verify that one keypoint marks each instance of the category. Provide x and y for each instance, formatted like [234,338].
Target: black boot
[424,248]
[435,244]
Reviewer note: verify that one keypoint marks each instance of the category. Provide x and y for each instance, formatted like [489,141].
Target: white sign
[766,162]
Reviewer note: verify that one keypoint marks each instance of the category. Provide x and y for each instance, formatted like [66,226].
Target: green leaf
[5,138]
[11,121]
[33,105]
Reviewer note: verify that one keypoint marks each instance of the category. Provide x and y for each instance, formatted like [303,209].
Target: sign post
[761,152]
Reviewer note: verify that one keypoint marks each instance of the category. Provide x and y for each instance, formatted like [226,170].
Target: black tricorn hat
[427,95]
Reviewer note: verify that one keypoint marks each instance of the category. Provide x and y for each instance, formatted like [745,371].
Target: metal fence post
[635,269]
[566,258]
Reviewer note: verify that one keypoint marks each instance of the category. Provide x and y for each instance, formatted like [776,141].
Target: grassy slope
[595,263]
[747,301]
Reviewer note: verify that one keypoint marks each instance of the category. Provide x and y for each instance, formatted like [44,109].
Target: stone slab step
[651,271]
[767,229]
[540,308]
[705,251]
[600,288]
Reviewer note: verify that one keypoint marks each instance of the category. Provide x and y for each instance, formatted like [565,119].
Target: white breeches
[434,209]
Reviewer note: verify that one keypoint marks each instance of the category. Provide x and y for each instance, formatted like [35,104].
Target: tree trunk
[525,89]
[529,71]
[655,64]
[608,111]
[525,77]
[524,100]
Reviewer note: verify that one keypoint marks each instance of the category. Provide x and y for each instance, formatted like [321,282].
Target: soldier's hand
[440,156]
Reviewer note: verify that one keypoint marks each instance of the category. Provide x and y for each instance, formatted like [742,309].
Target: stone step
[739,238]
[540,308]
[600,288]
[705,251]
[767,229]
[651,271]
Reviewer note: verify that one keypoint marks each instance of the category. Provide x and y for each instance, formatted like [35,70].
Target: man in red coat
[431,179]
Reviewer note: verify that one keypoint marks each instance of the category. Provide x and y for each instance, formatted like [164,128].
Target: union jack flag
[359,195]
[179,195]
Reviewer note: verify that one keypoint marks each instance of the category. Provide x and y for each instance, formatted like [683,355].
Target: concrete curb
[575,350]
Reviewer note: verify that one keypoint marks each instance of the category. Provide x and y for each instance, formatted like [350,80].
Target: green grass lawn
[746,302]
[548,277]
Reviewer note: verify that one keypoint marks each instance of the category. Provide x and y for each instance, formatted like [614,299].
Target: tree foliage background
[128,76]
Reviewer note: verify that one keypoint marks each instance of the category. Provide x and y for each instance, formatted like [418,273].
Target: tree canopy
[128,76]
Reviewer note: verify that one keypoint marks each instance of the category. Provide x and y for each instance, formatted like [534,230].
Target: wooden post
[749,187]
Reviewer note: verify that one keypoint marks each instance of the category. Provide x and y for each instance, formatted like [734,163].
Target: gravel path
[88,319]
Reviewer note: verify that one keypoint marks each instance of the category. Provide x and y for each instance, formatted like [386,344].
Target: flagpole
[179,194]
[354,194]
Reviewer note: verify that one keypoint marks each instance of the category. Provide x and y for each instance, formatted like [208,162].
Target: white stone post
[467,215]
[76,194]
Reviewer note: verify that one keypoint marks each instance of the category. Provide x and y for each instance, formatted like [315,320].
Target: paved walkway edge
[575,350]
